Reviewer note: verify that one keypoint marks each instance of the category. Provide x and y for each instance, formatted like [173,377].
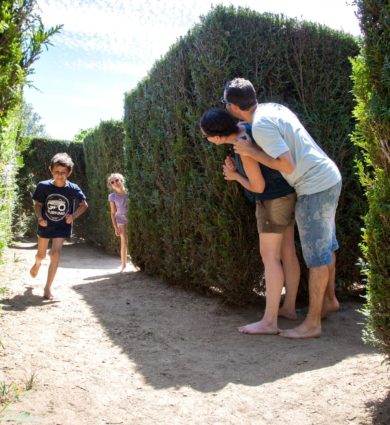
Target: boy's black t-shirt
[57,203]
[275,185]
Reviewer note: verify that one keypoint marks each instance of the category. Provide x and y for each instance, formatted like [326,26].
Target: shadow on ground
[380,411]
[24,301]
[178,338]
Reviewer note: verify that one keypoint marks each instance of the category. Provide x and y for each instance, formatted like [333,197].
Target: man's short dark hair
[241,92]
[62,159]
[218,122]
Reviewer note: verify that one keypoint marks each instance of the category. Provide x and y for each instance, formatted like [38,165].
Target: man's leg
[331,302]
[55,254]
[41,254]
[270,249]
[311,326]
[292,274]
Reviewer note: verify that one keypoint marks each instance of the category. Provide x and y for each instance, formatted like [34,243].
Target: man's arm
[283,163]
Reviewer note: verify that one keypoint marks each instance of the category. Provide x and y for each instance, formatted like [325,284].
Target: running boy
[54,206]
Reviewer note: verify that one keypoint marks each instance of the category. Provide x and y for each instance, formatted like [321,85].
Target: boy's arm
[80,210]
[283,163]
[38,212]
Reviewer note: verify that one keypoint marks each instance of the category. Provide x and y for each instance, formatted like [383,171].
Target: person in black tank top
[275,203]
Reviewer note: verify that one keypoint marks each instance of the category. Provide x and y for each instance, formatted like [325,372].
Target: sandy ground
[130,349]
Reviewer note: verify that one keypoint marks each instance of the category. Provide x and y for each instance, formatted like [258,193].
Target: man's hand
[244,147]
[228,173]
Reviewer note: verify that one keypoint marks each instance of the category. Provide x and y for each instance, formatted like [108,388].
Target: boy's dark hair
[218,122]
[62,159]
[241,92]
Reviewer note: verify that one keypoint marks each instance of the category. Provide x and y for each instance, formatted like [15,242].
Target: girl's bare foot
[287,314]
[35,269]
[259,328]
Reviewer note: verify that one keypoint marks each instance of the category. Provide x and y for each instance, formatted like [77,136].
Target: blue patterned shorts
[315,217]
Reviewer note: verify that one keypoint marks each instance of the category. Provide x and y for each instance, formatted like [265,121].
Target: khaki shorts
[275,215]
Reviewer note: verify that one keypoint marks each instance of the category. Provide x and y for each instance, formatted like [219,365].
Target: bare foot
[329,306]
[259,328]
[35,269]
[301,331]
[290,315]
[48,295]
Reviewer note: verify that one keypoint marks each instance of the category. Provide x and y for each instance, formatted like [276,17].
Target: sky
[107,46]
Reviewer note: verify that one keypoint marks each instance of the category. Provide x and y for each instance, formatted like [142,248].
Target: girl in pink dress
[118,204]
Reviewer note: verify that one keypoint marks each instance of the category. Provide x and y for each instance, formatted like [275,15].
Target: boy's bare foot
[290,315]
[35,269]
[259,328]
[329,306]
[47,294]
[302,331]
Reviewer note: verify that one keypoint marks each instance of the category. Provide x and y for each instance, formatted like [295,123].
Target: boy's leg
[123,236]
[270,249]
[41,254]
[55,254]
[292,274]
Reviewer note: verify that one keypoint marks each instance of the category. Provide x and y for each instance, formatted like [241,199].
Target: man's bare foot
[290,315]
[35,269]
[259,328]
[302,331]
[329,306]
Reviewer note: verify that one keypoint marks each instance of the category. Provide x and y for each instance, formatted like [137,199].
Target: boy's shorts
[315,216]
[275,215]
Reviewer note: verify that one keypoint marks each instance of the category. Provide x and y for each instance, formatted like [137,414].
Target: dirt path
[129,349]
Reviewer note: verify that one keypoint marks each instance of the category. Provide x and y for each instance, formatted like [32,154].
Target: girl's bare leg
[123,236]
[41,254]
[270,249]
[55,254]
[292,274]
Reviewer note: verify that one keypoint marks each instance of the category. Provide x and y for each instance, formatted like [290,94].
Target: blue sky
[107,46]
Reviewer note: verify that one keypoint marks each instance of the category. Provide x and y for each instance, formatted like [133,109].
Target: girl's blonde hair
[115,176]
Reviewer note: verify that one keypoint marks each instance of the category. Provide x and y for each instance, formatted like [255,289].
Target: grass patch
[9,393]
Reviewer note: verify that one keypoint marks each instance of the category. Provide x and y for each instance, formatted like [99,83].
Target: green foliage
[186,224]
[371,76]
[104,155]
[36,162]
[22,38]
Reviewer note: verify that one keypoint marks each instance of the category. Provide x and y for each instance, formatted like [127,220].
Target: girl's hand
[117,231]
[230,163]
[228,173]
[42,222]
[69,219]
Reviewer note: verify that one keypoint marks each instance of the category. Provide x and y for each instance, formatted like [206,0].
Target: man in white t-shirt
[286,146]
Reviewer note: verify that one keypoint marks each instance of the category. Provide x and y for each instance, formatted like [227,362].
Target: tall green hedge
[186,224]
[22,37]
[104,155]
[371,74]
[36,160]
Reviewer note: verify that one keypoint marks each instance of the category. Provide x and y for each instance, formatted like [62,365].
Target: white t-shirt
[276,130]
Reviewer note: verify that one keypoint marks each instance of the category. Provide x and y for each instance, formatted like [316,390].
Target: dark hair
[62,159]
[218,122]
[241,92]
